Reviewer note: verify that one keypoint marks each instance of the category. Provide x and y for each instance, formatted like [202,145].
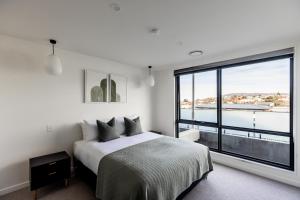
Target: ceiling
[92,27]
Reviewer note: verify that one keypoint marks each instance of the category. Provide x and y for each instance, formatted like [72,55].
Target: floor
[223,183]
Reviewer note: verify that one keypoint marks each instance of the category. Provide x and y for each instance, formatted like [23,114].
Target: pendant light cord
[52,42]
[149,70]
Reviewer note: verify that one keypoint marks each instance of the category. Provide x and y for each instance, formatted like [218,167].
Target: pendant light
[54,66]
[151,80]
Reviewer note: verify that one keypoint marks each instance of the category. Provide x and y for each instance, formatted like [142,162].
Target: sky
[266,77]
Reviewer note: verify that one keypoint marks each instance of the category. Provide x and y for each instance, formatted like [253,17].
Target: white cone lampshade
[54,65]
[151,80]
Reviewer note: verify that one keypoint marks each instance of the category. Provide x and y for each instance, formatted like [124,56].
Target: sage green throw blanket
[159,169]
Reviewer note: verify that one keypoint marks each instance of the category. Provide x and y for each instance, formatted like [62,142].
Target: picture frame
[96,86]
[117,89]
[104,88]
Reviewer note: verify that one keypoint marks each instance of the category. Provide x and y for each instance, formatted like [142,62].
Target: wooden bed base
[90,178]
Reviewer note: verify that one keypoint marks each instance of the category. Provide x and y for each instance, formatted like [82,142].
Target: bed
[147,166]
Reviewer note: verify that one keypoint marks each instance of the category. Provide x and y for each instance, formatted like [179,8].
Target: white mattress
[91,152]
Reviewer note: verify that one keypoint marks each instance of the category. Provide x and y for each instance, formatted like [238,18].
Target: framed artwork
[96,87]
[101,87]
[117,88]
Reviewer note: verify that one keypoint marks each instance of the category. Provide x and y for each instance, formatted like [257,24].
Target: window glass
[186,96]
[206,96]
[257,145]
[257,96]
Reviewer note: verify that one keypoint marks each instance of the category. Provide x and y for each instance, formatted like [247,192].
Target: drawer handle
[50,174]
[53,163]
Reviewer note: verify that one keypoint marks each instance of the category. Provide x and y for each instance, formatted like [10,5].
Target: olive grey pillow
[132,126]
[107,131]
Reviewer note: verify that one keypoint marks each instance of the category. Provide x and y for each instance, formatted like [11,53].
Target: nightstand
[48,169]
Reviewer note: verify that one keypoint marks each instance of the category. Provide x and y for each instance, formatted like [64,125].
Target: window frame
[270,56]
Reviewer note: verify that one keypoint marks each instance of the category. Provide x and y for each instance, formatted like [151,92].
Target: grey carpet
[223,183]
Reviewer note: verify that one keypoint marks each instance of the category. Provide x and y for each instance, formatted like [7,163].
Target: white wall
[164,115]
[164,102]
[30,99]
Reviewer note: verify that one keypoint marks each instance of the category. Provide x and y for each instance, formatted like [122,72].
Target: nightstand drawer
[46,179]
[53,168]
[59,166]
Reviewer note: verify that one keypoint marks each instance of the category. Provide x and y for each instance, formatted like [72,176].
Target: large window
[242,107]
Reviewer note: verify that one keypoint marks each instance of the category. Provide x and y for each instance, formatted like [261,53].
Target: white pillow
[120,125]
[90,129]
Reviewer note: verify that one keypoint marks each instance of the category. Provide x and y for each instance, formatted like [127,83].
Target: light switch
[49,129]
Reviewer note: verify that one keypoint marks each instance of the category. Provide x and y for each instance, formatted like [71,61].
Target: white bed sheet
[91,152]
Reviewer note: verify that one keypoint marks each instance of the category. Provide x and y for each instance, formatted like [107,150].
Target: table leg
[34,195]
[66,182]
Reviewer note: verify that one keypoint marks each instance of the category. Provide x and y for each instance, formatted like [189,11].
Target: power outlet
[49,129]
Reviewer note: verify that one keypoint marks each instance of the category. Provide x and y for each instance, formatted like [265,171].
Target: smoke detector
[154,31]
[196,53]
[115,7]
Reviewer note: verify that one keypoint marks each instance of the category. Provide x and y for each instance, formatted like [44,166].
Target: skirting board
[13,188]
[255,168]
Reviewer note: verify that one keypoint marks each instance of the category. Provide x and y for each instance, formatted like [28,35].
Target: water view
[277,121]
